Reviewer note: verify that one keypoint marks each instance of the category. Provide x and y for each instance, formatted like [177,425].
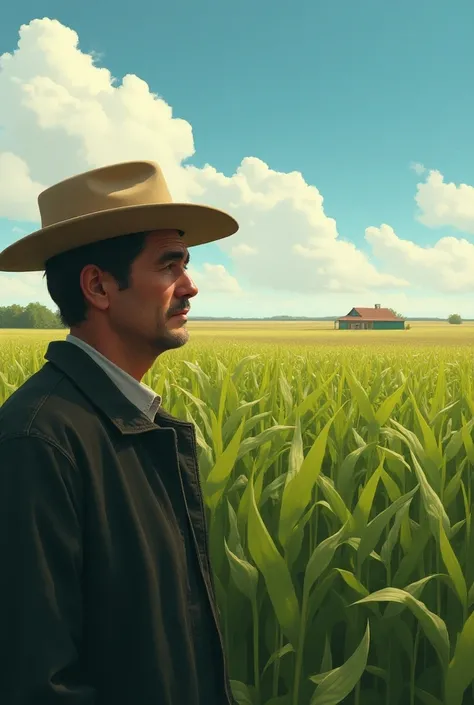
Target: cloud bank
[62,114]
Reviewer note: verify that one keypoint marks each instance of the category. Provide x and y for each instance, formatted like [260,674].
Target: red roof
[372,314]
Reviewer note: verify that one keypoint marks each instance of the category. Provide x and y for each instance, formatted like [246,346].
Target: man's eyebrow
[173,256]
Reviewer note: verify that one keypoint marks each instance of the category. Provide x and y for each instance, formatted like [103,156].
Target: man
[106,595]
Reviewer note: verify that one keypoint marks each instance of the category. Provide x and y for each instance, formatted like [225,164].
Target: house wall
[389,325]
[376,325]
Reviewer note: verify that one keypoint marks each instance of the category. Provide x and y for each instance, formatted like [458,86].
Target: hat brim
[200,225]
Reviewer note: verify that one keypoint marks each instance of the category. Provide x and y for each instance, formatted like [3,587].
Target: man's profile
[106,592]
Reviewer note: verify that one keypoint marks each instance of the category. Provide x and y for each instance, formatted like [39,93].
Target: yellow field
[337,470]
[323,333]
[320,333]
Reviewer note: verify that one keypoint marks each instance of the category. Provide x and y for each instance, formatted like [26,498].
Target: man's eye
[175,264]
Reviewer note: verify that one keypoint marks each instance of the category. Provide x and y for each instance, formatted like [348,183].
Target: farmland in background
[337,473]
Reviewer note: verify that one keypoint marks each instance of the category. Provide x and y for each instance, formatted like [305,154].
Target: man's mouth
[183,312]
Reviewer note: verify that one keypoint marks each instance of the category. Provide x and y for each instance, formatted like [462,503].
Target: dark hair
[114,256]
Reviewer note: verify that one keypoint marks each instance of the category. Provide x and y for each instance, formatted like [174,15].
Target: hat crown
[107,188]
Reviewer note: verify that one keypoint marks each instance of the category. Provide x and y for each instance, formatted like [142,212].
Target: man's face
[159,288]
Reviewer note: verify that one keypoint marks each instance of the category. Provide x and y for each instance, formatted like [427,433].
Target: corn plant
[338,487]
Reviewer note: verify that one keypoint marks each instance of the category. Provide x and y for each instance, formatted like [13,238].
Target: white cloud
[60,114]
[442,203]
[215,279]
[447,266]
[418,168]
[18,192]
[299,246]
[243,249]
[23,288]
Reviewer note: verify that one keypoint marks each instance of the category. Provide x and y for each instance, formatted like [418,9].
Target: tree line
[35,315]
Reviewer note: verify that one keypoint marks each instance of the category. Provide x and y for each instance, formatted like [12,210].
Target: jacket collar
[101,391]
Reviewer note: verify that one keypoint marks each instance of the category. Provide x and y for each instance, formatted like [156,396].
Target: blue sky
[348,94]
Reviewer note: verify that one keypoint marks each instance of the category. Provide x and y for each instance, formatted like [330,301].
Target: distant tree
[455,319]
[395,313]
[35,315]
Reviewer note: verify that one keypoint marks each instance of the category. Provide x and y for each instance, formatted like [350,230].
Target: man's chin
[175,338]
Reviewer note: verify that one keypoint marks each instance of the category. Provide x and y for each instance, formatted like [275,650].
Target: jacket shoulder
[46,404]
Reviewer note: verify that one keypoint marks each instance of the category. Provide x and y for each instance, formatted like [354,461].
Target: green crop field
[337,470]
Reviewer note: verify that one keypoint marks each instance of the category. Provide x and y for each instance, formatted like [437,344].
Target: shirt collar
[136,392]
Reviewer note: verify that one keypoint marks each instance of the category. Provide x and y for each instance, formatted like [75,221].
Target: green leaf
[279,700]
[287,649]
[222,470]
[239,368]
[411,561]
[310,401]
[390,485]
[272,489]
[296,455]
[385,410]
[249,444]
[274,570]
[353,582]
[294,543]
[452,566]
[453,486]
[285,391]
[433,626]
[415,589]
[371,535]
[392,538]
[468,443]
[297,492]
[244,575]
[460,671]
[360,515]
[365,407]
[201,407]
[326,663]
[321,558]
[339,682]
[431,502]
[456,441]
[334,498]
[381,673]
[242,693]
[427,698]
[431,448]
[235,418]
[234,540]
[345,474]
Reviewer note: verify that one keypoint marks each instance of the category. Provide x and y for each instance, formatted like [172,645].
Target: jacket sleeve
[40,576]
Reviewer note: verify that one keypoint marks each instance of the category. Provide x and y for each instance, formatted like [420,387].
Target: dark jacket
[106,595]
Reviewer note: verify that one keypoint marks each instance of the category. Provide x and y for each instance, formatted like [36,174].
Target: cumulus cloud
[447,266]
[215,279]
[298,244]
[443,203]
[18,191]
[61,114]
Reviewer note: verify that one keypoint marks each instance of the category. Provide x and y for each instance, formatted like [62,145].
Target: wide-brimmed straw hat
[115,200]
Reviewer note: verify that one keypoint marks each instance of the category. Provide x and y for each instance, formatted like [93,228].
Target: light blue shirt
[136,392]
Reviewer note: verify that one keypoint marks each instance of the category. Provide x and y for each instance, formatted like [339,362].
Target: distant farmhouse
[370,319]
